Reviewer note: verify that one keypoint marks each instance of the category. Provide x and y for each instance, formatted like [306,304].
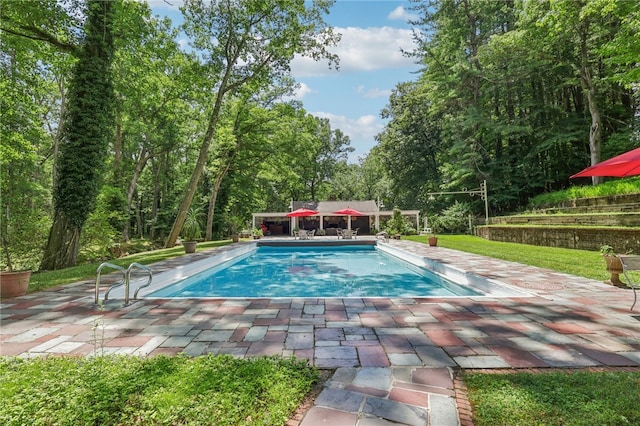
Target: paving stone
[395,412]
[213,336]
[326,416]
[256,334]
[443,411]
[433,356]
[313,309]
[379,378]
[299,341]
[340,399]
[404,359]
[336,352]
[481,361]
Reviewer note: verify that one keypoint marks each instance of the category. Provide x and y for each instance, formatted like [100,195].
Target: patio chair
[303,234]
[339,232]
[354,233]
[383,236]
[311,234]
[629,264]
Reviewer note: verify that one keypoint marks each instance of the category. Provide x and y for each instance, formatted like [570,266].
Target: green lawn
[582,263]
[555,398]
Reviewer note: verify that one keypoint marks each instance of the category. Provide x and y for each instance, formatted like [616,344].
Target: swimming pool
[316,271]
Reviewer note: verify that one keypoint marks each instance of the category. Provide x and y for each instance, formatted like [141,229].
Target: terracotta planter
[235,238]
[189,246]
[14,284]
[614,267]
[433,241]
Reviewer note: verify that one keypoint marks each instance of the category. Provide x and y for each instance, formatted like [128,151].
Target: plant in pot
[234,223]
[613,265]
[23,226]
[191,230]
[257,233]
[433,236]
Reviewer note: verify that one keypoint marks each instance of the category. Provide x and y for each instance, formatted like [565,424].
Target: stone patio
[395,358]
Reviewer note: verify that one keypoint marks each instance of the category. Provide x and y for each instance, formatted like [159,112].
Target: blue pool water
[338,271]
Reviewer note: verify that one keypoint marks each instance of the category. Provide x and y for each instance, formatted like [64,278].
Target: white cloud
[401,14]
[372,93]
[361,131]
[362,49]
[303,90]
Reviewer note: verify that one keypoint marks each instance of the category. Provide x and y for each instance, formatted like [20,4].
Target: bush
[454,219]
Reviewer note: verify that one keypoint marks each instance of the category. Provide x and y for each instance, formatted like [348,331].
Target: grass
[47,279]
[555,398]
[582,263]
[178,390]
[616,186]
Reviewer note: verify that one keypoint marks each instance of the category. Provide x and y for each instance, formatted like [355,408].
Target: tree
[87,129]
[247,42]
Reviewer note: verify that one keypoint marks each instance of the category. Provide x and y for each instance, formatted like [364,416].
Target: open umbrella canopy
[627,164]
[348,212]
[302,212]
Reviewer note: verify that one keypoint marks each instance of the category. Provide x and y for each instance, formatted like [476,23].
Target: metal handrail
[147,284]
[118,284]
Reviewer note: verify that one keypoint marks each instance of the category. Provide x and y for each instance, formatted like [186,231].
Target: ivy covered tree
[87,129]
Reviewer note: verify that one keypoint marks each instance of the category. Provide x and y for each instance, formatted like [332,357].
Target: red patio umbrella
[302,212]
[627,164]
[348,212]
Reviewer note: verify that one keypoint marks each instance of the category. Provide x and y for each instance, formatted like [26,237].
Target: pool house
[369,222]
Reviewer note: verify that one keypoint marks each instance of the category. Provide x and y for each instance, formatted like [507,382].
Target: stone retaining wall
[590,238]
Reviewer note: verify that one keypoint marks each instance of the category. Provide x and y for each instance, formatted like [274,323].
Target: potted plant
[613,265]
[18,226]
[257,233]
[191,230]
[433,236]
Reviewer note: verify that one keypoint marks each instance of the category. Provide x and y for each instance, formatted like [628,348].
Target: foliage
[398,224]
[160,390]
[618,186]
[454,219]
[191,229]
[571,398]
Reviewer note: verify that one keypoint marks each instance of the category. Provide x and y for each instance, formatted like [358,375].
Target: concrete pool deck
[395,358]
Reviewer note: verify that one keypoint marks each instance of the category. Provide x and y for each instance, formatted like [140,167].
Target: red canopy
[302,212]
[348,212]
[627,164]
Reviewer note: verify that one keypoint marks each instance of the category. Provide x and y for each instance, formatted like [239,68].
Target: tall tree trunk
[143,157]
[202,160]
[88,129]
[65,237]
[586,78]
[212,200]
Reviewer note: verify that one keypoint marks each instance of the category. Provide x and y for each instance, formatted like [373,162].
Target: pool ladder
[126,279]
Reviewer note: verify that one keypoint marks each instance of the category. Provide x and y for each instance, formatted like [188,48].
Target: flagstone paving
[394,357]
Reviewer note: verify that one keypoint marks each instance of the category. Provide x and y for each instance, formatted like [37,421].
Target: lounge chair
[629,264]
[383,236]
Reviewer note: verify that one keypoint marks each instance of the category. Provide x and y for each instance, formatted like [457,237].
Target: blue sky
[371,64]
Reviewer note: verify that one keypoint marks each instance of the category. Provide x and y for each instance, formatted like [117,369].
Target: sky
[371,64]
